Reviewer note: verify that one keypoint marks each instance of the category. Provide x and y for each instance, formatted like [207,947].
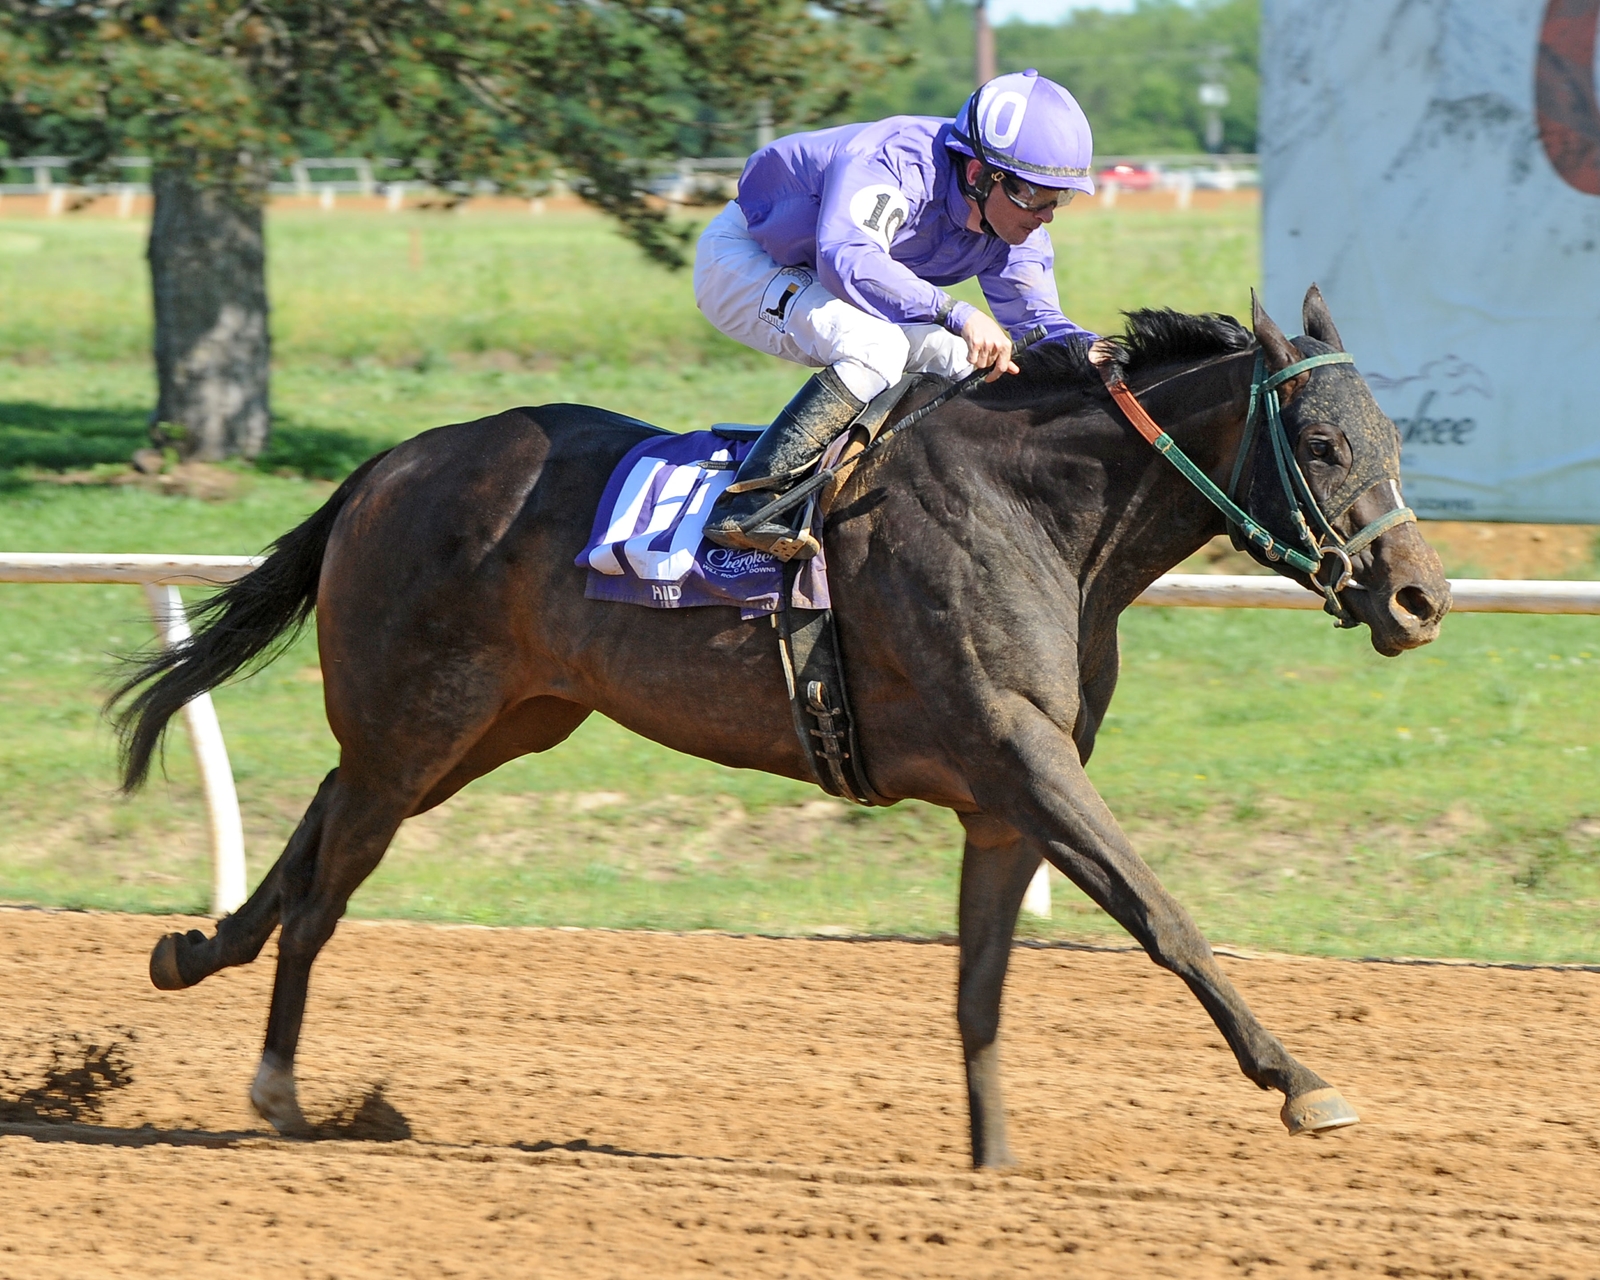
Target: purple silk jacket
[876,211]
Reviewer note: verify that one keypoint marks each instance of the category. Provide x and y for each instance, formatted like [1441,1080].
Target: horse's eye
[1321,450]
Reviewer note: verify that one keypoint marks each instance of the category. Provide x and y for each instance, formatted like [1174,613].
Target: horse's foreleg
[1081,837]
[359,821]
[995,869]
[182,959]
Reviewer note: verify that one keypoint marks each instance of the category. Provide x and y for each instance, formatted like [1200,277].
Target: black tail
[232,629]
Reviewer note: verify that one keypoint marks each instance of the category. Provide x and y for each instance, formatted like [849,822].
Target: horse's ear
[1279,350]
[1318,323]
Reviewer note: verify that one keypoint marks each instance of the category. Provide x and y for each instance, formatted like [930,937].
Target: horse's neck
[1150,518]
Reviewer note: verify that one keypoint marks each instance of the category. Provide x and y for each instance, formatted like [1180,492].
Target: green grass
[75,414]
[346,288]
[419,290]
[1295,790]
[500,310]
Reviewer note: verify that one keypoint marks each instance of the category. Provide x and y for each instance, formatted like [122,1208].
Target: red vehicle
[1129,177]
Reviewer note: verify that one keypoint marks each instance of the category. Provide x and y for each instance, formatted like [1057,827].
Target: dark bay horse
[979,564]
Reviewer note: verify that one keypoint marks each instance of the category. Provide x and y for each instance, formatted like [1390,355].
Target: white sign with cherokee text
[1434,165]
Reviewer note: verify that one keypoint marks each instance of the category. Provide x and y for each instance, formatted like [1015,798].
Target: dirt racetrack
[552,1103]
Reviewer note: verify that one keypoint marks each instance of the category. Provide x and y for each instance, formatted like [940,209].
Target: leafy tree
[1137,74]
[223,93]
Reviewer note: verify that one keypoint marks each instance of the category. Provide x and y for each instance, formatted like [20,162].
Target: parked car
[1130,177]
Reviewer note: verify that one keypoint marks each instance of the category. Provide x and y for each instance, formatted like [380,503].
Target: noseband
[1297,493]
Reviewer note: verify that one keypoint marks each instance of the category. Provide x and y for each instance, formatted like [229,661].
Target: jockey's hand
[1102,352]
[988,346]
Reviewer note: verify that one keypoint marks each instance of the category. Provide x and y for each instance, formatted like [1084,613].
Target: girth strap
[819,701]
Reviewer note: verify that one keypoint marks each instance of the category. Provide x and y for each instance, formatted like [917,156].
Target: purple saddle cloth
[647,545]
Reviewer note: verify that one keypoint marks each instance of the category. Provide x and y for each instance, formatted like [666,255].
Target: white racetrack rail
[1469,595]
[1198,590]
[162,575]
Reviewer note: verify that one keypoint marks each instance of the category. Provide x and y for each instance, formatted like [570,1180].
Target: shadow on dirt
[75,1086]
[92,1135]
[370,1118]
[68,1105]
[599,1148]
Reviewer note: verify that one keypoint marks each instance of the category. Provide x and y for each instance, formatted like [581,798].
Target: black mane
[1154,337]
[1151,337]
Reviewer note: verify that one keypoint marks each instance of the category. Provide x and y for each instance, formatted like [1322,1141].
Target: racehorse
[978,567]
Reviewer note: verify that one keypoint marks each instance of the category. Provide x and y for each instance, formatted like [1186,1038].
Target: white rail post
[211,754]
[1036,902]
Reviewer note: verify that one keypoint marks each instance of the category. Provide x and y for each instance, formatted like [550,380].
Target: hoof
[272,1094]
[165,971]
[1317,1112]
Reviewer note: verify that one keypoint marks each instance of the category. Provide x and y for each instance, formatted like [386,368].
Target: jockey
[834,254]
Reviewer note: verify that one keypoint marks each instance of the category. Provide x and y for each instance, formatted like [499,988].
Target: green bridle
[1265,405]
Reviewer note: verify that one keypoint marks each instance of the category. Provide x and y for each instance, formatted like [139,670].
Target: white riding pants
[785,312]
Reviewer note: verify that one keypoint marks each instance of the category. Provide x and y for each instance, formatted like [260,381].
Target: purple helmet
[1028,126]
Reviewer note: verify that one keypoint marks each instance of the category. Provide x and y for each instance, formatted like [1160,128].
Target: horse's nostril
[1416,602]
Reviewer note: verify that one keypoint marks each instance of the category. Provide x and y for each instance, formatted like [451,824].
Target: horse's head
[1349,453]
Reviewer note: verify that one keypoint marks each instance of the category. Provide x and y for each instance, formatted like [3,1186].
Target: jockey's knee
[873,359]
[934,349]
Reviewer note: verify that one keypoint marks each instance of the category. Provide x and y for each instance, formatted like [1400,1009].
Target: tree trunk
[208,281]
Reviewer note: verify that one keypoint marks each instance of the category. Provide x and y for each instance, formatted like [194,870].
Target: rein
[1264,394]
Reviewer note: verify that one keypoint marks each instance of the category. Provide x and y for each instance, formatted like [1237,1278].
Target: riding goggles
[1032,199]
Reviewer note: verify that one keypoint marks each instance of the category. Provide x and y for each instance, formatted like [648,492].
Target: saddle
[646,548]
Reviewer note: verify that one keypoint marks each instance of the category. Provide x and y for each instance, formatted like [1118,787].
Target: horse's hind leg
[360,817]
[182,959]
[995,869]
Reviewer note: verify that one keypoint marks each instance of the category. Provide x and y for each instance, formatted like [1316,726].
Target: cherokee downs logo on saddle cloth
[647,544]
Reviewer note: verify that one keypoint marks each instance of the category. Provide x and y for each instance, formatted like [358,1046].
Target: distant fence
[687,180]
[161,576]
[324,179]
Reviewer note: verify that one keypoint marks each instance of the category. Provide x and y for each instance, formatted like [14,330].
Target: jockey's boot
[786,450]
